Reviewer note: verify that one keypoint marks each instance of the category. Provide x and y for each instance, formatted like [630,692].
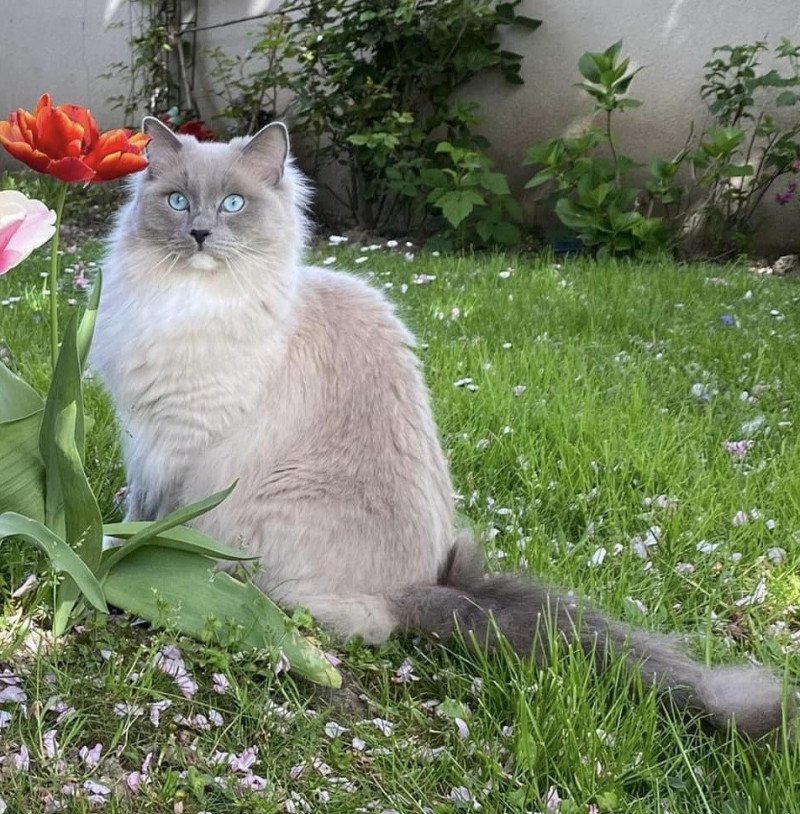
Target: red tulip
[64,142]
[198,129]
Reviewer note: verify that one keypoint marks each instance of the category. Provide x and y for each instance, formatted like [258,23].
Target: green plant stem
[613,149]
[62,195]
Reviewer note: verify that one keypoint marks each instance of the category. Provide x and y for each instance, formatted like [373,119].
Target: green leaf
[65,390]
[22,477]
[17,398]
[180,517]
[786,99]
[736,171]
[530,23]
[496,183]
[540,178]
[506,233]
[182,590]
[572,216]
[588,67]
[181,538]
[457,204]
[83,524]
[61,556]
[82,520]
[88,319]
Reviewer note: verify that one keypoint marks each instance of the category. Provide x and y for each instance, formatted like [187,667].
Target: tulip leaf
[153,529]
[22,479]
[61,556]
[81,513]
[82,520]
[88,319]
[180,538]
[17,398]
[181,590]
[65,389]
[22,472]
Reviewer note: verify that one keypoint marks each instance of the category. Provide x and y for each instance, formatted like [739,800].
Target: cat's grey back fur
[238,362]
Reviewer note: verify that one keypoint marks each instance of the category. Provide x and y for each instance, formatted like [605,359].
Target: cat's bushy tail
[525,612]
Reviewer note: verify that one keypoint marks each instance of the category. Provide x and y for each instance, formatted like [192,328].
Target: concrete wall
[62,46]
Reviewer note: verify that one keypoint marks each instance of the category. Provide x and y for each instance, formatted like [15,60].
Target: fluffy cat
[228,358]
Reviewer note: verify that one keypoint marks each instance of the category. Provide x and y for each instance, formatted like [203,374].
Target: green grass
[607,422]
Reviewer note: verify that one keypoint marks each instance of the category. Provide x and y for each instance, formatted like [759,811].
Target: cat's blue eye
[232,203]
[178,201]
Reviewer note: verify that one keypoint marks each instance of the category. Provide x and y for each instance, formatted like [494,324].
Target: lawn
[588,411]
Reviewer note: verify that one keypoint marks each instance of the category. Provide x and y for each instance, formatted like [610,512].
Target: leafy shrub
[751,146]
[704,198]
[370,87]
[472,197]
[594,196]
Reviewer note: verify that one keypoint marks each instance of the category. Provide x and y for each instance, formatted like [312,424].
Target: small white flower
[740,518]
[463,729]
[30,583]
[329,261]
[776,555]
[220,685]
[22,760]
[91,757]
[386,727]
[333,730]
[282,664]
[156,709]
[597,558]
[706,547]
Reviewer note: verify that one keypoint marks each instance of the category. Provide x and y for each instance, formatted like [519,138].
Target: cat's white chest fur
[184,371]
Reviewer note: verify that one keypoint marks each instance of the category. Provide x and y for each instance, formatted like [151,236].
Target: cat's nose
[200,235]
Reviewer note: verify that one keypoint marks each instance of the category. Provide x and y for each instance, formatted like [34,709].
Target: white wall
[61,46]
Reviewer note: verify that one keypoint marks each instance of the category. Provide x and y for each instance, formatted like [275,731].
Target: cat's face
[207,206]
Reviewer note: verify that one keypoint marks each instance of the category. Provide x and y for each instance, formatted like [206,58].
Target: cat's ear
[163,147]
[268,150]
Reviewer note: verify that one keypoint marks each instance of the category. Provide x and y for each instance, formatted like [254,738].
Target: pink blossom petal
[221,684]
[22,760]
[91,757]
[50,744]
[242,762]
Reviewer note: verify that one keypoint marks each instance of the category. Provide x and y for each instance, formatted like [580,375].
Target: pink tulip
[25,225]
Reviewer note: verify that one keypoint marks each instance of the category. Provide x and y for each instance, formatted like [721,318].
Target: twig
[248,19]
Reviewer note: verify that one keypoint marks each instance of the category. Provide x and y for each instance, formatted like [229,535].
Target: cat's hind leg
[366,615]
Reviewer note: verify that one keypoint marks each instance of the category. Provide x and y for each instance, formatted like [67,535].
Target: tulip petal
[84,118]
[72,170]
[65,142]
[23,152]
[57,135]
[25,224]
[34,231]
[118,164]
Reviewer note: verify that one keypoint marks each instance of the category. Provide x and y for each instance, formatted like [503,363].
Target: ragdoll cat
[228,358]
